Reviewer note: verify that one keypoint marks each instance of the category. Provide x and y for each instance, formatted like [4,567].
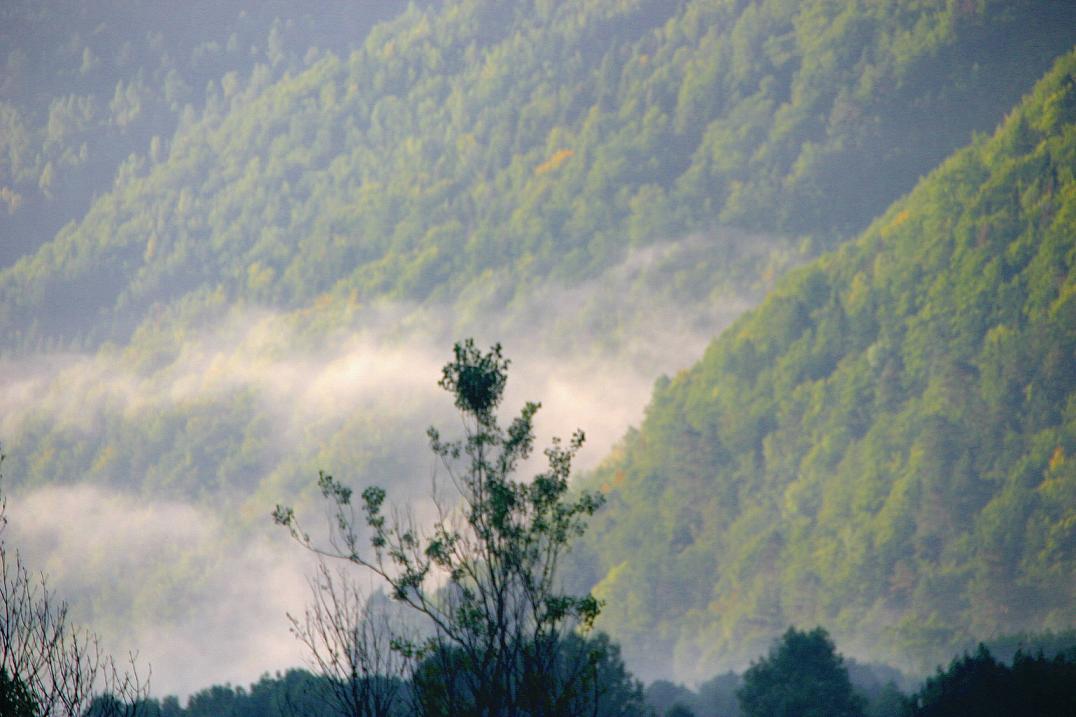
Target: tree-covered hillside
[235,235]
[478,139]
[83,86]
[886,446]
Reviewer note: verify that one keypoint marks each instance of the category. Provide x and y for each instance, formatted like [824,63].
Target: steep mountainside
[477,138]
[887,445]
[273,226]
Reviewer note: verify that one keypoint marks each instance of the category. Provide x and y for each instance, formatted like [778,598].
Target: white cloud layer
[221,616]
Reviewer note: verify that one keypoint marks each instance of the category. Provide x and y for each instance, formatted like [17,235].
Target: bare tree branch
[60,668]
[349,643]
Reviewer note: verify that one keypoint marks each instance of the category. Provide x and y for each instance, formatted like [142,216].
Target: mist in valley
[160,561]
[239,241]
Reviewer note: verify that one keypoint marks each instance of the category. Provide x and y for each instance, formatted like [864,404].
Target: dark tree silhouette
[980,685]
[15,698]
[803,676]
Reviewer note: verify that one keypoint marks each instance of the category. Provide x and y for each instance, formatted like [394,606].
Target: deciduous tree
[484,576]
[803,676]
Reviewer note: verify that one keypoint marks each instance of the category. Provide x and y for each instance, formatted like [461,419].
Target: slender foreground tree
[501,635]
[49,667]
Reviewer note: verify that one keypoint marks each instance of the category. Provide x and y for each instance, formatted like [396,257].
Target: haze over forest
[801,271]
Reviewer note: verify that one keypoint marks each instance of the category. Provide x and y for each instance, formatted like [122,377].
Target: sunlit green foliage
[468,151]
[886,445]
[463,154]
[524,140]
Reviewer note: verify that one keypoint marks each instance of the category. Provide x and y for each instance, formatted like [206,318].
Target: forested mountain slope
[525,139]
[886,445]
[83,86]
[276,230]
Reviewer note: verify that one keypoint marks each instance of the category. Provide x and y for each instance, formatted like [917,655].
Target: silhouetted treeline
[281,695]
[802,675]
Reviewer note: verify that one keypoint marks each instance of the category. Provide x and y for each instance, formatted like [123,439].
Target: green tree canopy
[499,629]
[803,676]
[885,446]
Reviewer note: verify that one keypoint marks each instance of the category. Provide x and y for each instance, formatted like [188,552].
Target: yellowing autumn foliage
[558,158]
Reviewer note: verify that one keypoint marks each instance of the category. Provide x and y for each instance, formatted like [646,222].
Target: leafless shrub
[349,643]
[59,667]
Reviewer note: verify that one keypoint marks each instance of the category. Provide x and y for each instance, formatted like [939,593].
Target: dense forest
[884,446]
[85,87]
[232,238]
[503,142]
